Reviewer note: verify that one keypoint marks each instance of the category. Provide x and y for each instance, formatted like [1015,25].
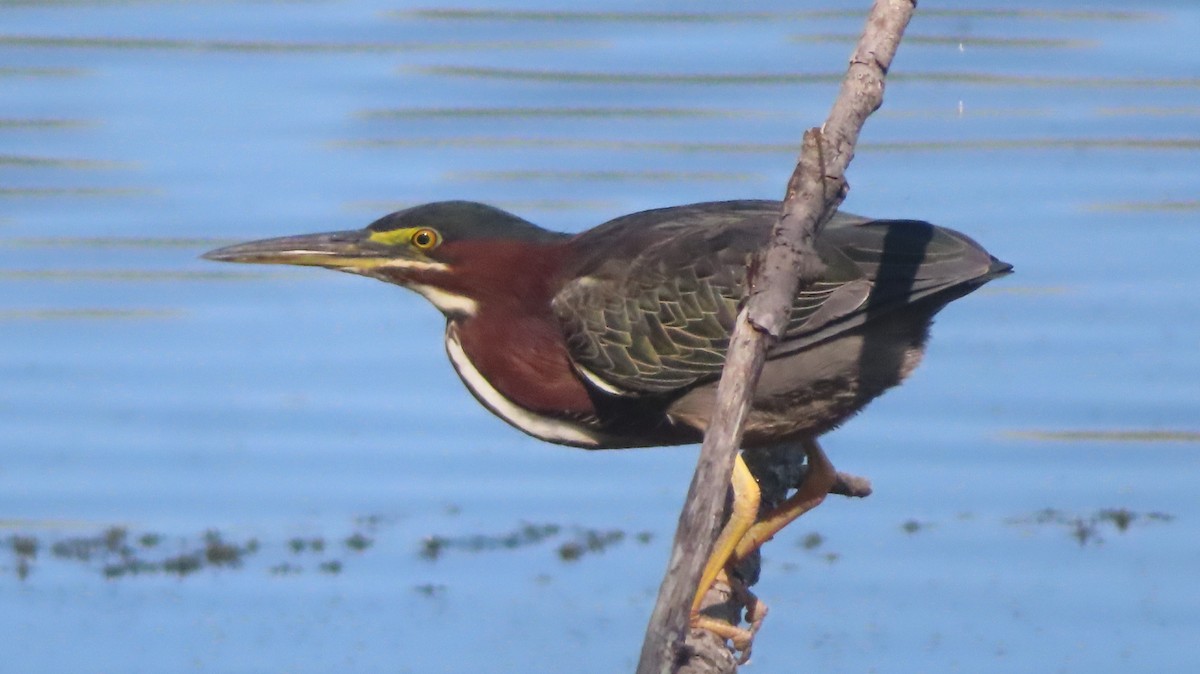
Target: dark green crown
[463,220]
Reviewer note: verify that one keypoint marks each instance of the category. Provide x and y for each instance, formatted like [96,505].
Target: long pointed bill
[347,251]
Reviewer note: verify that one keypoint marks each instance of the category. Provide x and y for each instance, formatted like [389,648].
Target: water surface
[218,469]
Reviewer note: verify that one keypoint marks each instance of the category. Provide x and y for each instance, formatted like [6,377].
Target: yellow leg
[746,496]
[812,491]
[742,535]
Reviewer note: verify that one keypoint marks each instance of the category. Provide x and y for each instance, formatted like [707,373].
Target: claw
[741,638]
[756,610]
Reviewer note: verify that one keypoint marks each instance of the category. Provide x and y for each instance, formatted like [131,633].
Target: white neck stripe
[448,303]
[545,428]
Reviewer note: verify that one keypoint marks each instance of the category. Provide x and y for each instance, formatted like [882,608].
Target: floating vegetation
[115,553]
[213,552]
[433,547]
[285,569]
[118,554]
[300,546]
[1108,436]
[813,543]
[25,548]
[589,541]
[1087,529]
[358,541]
[580,541]
[83,549]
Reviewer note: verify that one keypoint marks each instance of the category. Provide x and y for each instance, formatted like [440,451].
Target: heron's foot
[756,612]
[741,638]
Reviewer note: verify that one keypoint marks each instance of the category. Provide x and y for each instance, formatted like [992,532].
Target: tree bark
[815,190]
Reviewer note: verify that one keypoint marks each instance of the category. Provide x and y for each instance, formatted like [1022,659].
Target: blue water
[148,389]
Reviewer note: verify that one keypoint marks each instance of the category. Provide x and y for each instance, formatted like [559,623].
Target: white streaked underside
[545,428]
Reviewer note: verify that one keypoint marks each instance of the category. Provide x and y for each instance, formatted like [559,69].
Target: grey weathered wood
[815,190]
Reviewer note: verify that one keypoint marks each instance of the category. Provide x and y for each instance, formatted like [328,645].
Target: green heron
[615,337]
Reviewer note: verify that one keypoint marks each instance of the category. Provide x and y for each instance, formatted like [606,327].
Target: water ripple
[279,47]
[559,16]
[773,79]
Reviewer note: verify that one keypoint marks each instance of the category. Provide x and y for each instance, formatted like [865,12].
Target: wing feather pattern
[655,294]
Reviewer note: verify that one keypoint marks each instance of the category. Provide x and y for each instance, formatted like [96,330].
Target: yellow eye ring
[426,239]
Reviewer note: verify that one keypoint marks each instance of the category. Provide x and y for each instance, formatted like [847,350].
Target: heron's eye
[426,239]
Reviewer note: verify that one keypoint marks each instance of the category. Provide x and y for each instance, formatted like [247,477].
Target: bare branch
[815,190]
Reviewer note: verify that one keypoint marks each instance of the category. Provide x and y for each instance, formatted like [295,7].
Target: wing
[653,313]
[656,317]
